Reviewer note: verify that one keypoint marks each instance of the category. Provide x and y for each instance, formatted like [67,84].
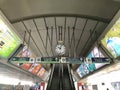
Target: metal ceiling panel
[98,29]
[50,21]
[70,22]
[77,33]
[40,24]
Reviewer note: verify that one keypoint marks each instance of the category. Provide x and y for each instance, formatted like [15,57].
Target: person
[19,87]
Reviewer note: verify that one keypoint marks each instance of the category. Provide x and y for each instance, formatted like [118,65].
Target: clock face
[60,49]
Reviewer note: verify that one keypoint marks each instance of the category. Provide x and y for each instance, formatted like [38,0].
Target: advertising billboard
[111,41]
[9,41]
[41,72]
[25,53]
[26,66]
[95,53]
[88,66]
[35,68]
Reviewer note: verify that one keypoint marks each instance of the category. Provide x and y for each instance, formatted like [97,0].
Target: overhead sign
[68,60]
[50,60]
[35,60]
[21,59]
[100,60]
[74,60]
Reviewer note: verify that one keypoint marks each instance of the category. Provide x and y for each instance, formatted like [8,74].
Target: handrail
[50,78]
[71,79]
[61,76]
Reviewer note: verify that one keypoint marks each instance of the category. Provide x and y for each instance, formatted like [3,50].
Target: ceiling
[15,10]
[76,33]
[40,23]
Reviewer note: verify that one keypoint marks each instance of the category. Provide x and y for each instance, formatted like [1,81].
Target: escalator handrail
[71,79]
[50,78]
[61,76]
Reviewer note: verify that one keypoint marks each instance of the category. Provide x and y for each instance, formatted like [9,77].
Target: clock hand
[60,47]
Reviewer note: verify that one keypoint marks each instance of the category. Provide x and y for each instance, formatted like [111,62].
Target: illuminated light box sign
[25,60]
[111,40]
[41,72]
[94,60]
[25,66]
[87,66]
[35,68]
[90,65]
[25,52]
[95,53]
[9,42]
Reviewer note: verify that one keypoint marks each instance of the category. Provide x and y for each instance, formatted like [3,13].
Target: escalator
[60,78]
[54,84]
[67,83]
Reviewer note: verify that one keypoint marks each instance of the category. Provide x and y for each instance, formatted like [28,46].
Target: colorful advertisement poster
[111,40]
[9,42]
[95,53]
[88,66]
[35,68]
[26,66]
[41,72]
[25,53]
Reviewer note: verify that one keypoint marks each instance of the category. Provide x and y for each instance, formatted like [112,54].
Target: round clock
[60,49]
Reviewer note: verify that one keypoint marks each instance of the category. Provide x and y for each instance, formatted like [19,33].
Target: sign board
[35,60]
[20,59]
[100,60]
[68,60]
[9,41]
[74,60]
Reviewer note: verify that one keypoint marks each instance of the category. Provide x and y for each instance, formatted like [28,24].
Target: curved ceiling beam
[61,15]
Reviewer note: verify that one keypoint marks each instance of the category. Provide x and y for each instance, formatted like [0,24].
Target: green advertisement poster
[8,41]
